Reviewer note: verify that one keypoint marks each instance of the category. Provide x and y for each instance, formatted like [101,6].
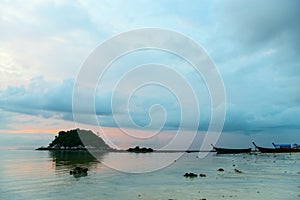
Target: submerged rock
[221,170]
[238,171]
[190,175]
[79,171]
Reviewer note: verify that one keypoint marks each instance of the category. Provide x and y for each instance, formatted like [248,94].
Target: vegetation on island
[77,139]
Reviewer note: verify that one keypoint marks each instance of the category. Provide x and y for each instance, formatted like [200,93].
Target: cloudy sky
[254,45]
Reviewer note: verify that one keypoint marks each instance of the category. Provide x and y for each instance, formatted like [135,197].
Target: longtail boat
[277,149]
[230,151]
[287,146]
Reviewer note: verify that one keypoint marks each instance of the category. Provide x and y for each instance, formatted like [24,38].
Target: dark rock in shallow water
[202,175]
[221,170]
[190,175]
[79,171]
[238,171]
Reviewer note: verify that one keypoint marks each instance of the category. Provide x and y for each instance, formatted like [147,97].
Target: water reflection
[68,160]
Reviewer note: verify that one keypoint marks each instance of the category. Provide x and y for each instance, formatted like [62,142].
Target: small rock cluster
[193,175]
[190,175]
[79,171]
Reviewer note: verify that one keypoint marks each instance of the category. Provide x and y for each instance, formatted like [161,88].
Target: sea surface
[29,174]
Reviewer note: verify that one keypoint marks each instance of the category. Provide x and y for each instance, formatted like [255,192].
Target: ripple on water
[42,175]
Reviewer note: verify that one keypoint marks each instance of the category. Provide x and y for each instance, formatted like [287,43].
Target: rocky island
[77,139]
[137,149]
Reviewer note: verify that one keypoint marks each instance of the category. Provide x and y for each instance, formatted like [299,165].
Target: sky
[253,44]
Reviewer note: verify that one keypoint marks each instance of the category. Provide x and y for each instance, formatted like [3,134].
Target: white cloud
[269,52]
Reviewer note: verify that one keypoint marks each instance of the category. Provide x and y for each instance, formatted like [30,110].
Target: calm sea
[27,174]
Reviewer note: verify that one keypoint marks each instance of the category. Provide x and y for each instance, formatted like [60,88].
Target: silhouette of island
[77,139]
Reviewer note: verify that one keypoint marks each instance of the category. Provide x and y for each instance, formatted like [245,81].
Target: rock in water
[137,149]
[190,175]
[79,171]
[238,171]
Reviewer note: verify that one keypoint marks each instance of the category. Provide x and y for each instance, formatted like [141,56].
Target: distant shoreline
[71,140]
[115,150]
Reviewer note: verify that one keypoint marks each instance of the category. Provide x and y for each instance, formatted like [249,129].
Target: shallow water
[27,174]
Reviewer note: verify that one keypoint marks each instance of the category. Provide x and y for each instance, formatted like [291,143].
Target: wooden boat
[231,151]
[286,146]
[276,149]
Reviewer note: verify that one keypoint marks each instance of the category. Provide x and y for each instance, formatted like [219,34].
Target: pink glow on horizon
[33,131]
[115,137]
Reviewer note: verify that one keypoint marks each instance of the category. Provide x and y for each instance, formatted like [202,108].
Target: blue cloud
[40,97]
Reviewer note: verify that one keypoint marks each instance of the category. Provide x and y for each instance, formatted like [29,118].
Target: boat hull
[276,150]
[231,151]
